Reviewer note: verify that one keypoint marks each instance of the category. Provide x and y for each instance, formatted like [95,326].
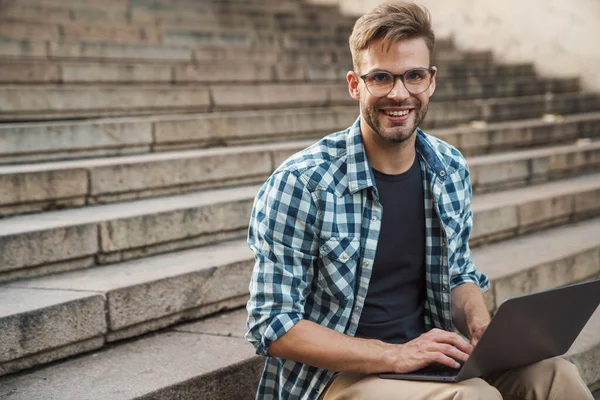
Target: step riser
[70,187]
[579,267]
[500,223]
[66,248]
[84,32]
[52,72]
[444,114]
[66,328]
[237,382]
[485,141]
[142,308]
[26,103]
[133,237]
[26,143]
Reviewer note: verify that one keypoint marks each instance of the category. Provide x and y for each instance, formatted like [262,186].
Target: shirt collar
[360,174]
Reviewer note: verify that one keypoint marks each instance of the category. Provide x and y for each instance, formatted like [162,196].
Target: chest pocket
[337,267]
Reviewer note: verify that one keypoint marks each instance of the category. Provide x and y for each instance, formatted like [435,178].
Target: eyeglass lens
[381,83]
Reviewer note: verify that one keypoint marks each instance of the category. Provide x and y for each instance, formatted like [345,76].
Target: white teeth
[397,113]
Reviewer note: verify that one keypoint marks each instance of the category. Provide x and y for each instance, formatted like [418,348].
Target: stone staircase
[134,135]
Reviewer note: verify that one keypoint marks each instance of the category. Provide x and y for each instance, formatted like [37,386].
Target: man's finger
[454,339]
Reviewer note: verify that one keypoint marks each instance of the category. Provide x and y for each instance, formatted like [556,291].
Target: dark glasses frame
[432,71]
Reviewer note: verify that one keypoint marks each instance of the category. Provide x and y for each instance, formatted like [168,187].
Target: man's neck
[388,157]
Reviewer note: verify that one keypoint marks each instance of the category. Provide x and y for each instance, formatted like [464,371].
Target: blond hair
[391,23]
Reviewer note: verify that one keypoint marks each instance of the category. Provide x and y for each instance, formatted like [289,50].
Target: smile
[396,113]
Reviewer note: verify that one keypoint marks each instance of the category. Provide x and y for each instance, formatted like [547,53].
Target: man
[361,242]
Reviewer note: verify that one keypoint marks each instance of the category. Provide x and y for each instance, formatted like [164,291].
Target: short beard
[370,116]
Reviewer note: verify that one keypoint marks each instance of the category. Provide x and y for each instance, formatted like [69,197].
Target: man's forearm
[469,311]
[316,345]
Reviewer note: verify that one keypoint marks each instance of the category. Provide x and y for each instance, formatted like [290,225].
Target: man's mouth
[396,113]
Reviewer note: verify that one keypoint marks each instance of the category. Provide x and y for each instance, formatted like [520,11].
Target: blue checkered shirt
[314,230]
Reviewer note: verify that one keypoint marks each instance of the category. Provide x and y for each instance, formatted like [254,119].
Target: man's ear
[353,81]
[432,86]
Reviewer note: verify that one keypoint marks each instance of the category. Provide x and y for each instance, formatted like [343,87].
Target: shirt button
[442,173]
[365,264]
[374,219]
[444,288]
[356,309]
[344,256]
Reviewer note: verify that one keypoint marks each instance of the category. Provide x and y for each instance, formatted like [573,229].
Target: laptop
[525,330]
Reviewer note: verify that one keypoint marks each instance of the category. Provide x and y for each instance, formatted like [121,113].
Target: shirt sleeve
[462,267]
[282,236]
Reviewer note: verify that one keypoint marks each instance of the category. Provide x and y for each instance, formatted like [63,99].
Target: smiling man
[361,244]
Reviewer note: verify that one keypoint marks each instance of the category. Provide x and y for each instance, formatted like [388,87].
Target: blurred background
[134,135]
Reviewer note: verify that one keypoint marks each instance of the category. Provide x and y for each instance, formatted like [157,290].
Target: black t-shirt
[393,310]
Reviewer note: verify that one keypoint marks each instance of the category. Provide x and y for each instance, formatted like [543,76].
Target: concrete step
[43,141]
[47,186]
[195,363]
[121,301]
[444,114]
[26,102]
[160,53]
[514,212]
[141,297]
[181,361]
[79,238]
[272,68]
[84,31]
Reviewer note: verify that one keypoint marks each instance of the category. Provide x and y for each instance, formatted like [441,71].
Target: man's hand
[435,346]
[469,312]
[477,333]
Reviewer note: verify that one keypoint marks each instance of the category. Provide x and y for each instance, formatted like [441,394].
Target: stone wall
[559,36]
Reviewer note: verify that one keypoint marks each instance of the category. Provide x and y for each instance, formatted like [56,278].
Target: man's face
[387,117]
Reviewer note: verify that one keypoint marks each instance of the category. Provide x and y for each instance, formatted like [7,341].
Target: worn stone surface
[189,366]
[585,352]
[173,169]
[110,33]
[534,206]
[22,48]
[44,137]
[33,320]
[119,99]
[26,30]
[543,260]
[193,220]
[26,244]
[489,222]
[157,287]
[226,72]
[128,73]
[227,97]
[118,51]
[31,186]
[28,73]
[224,127]
[232,324]
[35,13]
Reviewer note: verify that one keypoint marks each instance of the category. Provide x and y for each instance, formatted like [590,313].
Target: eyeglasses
[381,83]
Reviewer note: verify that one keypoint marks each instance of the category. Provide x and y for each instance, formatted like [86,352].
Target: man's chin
[397,137]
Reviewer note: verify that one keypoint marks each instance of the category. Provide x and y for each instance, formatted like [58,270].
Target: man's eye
[380,77]
[415,75]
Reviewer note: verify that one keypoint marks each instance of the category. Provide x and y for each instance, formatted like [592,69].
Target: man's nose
[399,91]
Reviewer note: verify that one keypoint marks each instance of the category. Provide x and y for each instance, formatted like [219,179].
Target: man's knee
[555,369]
[476,389]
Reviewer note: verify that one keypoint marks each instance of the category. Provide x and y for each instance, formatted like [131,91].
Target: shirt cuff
[279,325]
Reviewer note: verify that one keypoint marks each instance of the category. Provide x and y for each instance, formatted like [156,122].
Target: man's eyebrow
[377,70]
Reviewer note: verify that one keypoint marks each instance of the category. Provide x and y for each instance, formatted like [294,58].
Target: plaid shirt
[314,230]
